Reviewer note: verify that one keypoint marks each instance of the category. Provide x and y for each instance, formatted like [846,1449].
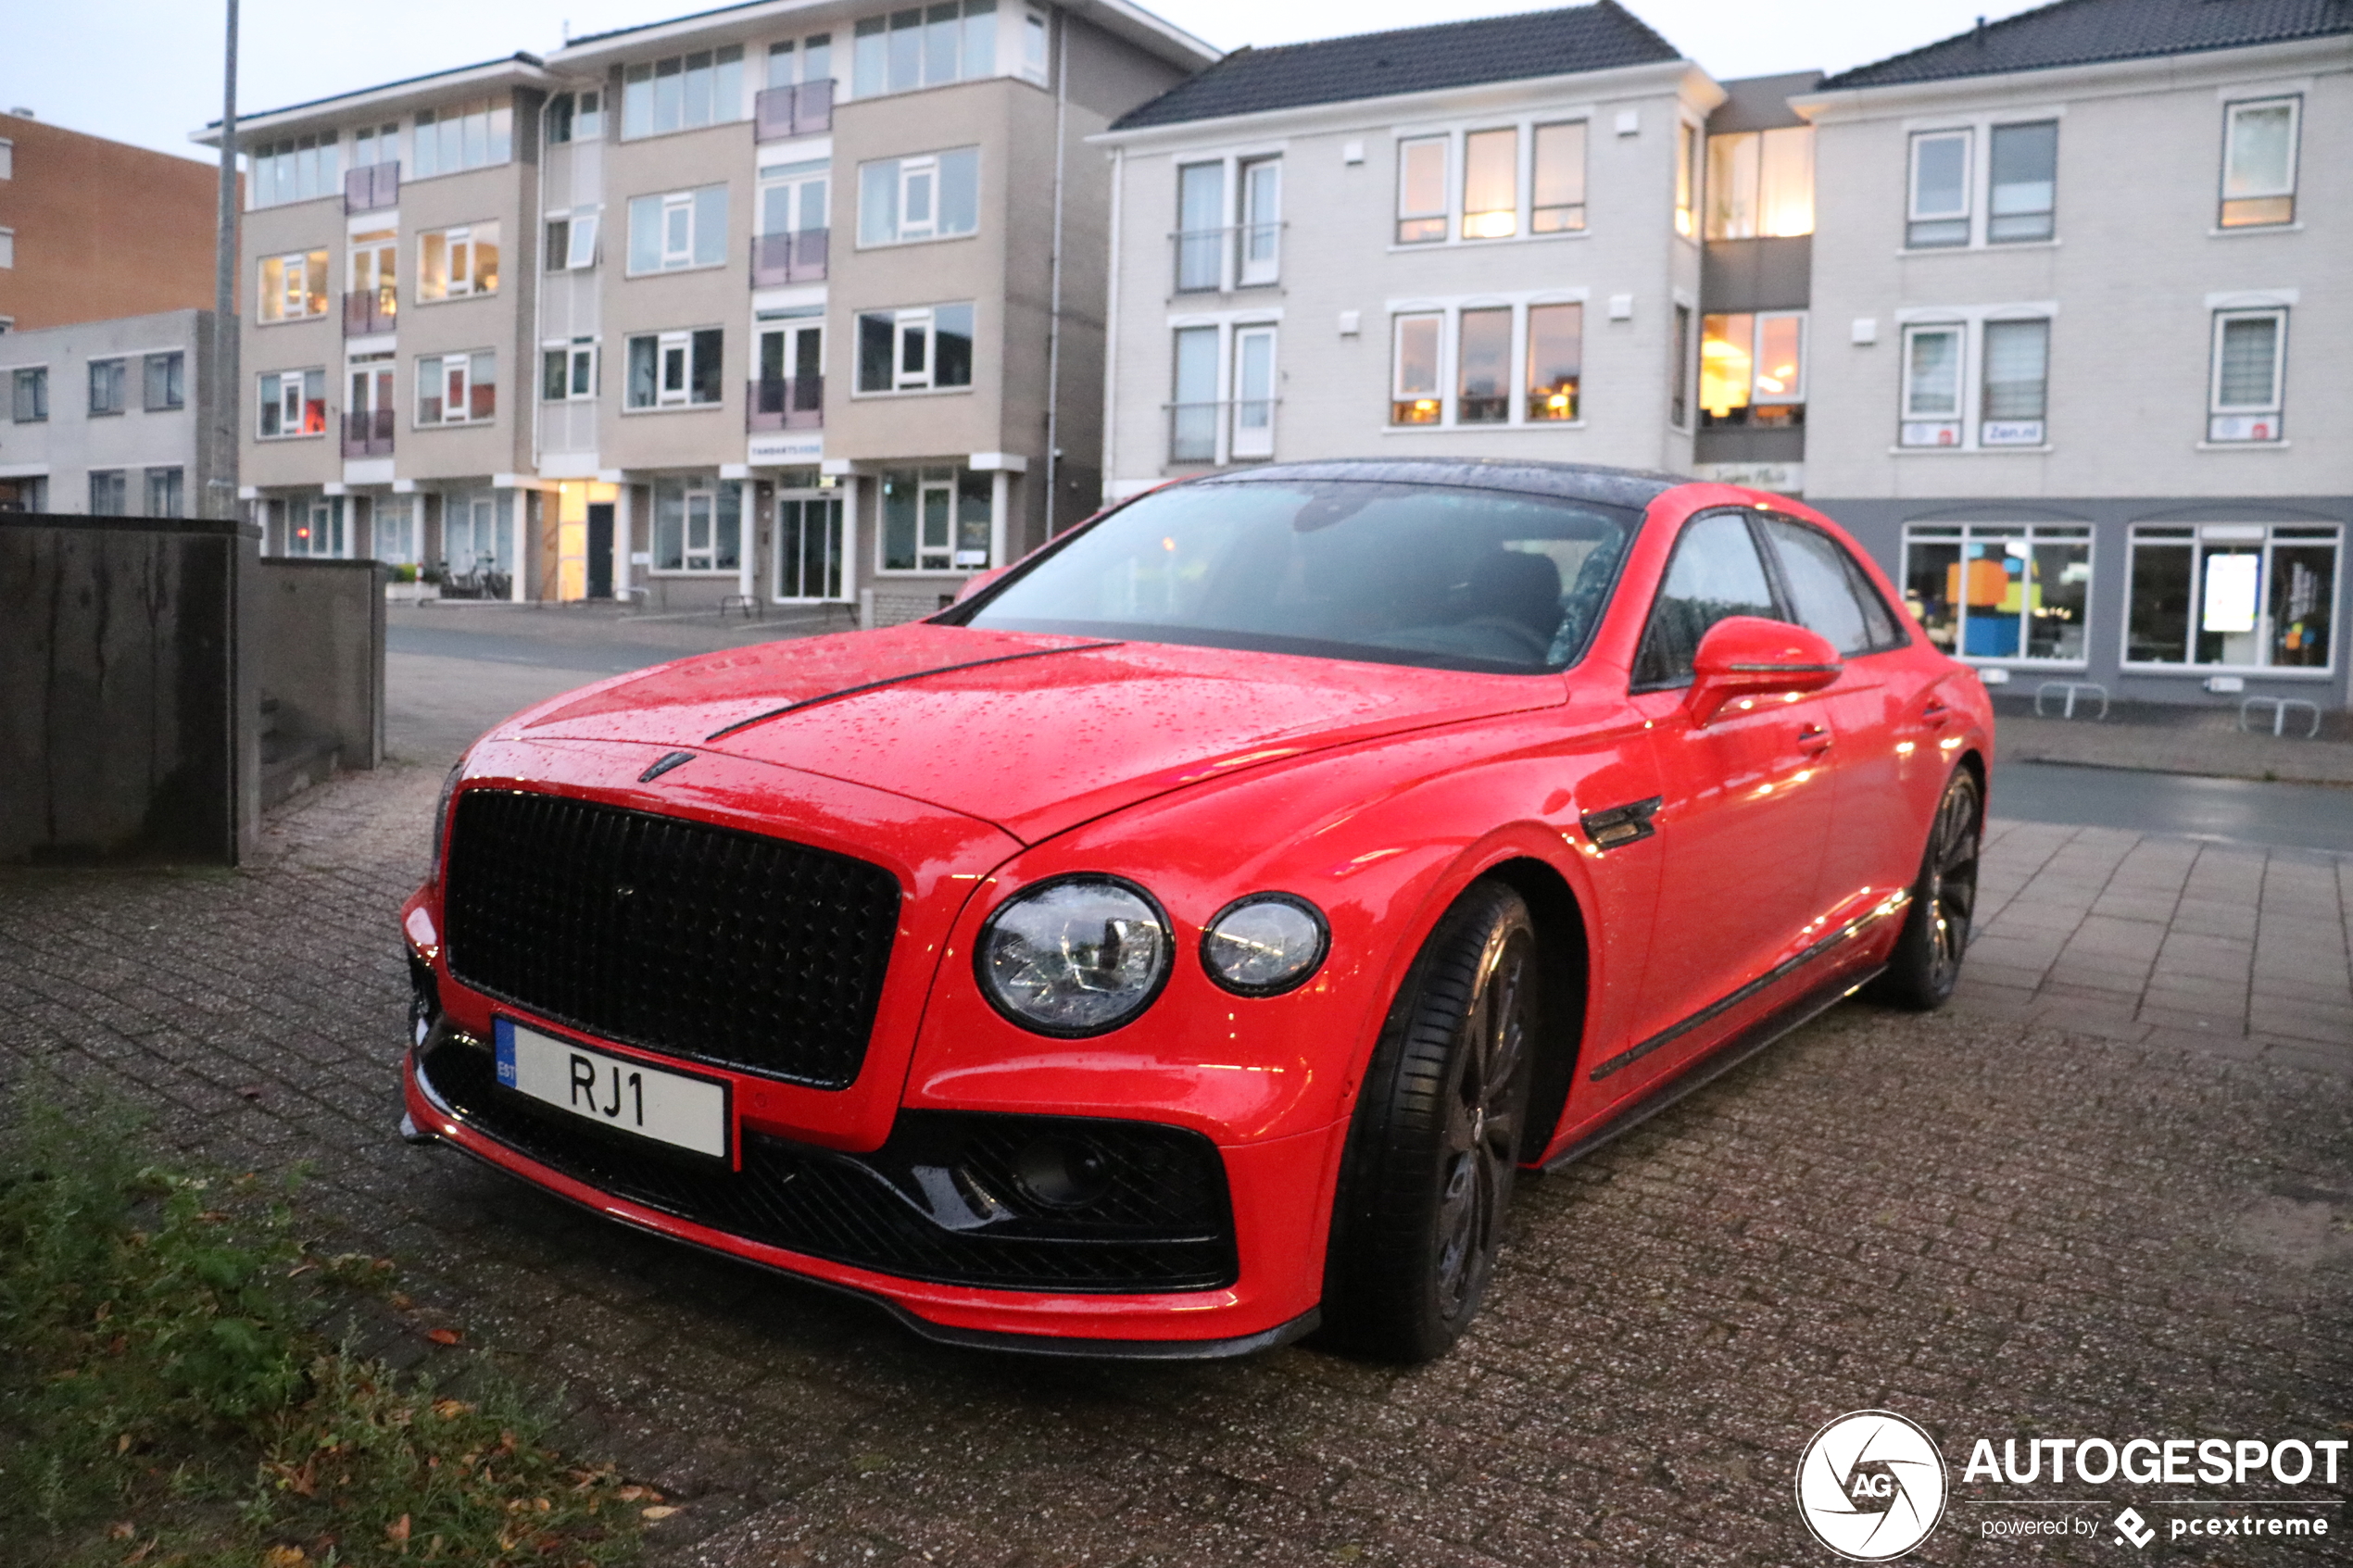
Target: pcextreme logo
[1870,1485]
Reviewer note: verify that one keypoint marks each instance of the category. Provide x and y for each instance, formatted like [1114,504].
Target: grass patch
[170,1395]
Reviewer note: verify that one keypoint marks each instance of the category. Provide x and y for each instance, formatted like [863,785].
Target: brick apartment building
[91,229]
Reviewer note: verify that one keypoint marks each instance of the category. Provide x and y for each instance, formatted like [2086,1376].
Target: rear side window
[1715,572]
[1827,592]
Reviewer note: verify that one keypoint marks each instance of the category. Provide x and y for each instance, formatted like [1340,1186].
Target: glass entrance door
[809,548]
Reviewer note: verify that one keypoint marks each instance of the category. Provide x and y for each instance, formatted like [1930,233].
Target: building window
[1687,185]
[371,146]
[107,379]
[2245,401]
[8,251]
[31,401]
[1931,406]
[1034,48]
[1556,205]
[1201,227]
[167,493]
[678,230]
[2006,591]
[926,347]
[393,529]
[1192,410]
[936,520]
[1939,210]
[816,59]
[679,369]
[473,530]
[683,92]
[571,243]
[1421,190]
[2016,381]
[456,388]
[8,159]
[568,372]
[1415,397]
[314,527]
[457,263]
[1679,400]
[1752,369]
[371,297]
[2249,595]
[1555,360]
[1760,183]
[575,116]
[293,403]
[2258,162]
[166,377]
[1253,432]
[462,136]
[1258,242]
[934,197]
[2023,178]
[109,494]
[1483,367]
[697,525]
[1490,184]
[925,47]
[303,169]
[293,287]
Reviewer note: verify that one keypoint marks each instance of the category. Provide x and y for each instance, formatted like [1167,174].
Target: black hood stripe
[896,680]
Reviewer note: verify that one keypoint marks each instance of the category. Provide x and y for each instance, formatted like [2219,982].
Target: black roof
[1415,59]
[2076,32]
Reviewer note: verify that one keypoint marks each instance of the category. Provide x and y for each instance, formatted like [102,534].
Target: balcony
[786,403]
[805,110]
[368,435]
[790,259]
[369,311]
[372,187]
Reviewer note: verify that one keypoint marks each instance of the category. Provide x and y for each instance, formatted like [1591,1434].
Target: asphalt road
[604,657]
[2295,816]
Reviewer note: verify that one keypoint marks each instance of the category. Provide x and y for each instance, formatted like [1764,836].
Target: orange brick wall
[102,229]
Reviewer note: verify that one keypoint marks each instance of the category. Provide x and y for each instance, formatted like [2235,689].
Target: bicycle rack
[2280,705]
[2070,690]
[749,603]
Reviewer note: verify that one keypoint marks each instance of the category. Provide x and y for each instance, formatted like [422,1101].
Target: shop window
[2242,595]
[2001,591]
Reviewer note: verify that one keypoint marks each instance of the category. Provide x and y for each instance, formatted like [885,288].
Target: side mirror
[978,581]
[1746,657]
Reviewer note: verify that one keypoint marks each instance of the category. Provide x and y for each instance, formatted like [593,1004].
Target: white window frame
[459,237]
[2230,110]
[297,262]
[1919,428]
[1965,534]
[668,399]
[2225,420]
[905,320]
[1966,214]
[2200,536]
[579,356]
[584,227]
[297,379]
[1443,215]
[683,204]
[2000,433]
[1251,435]
[1254,218]
[1448,313]
[1691,177]
[441,382]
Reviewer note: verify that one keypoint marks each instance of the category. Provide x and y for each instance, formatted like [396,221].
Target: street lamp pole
[220,499]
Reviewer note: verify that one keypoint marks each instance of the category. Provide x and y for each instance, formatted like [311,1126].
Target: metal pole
[221,496]
[1054,286]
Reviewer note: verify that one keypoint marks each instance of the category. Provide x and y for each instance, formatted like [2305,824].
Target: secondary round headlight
[1078,955]
[1264,944]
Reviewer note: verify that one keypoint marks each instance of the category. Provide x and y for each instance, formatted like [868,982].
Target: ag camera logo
[1870,1485]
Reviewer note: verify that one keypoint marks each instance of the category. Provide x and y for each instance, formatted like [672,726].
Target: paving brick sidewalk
[2064,1207]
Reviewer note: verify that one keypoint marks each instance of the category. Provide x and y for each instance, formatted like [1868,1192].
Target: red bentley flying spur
[1179,944]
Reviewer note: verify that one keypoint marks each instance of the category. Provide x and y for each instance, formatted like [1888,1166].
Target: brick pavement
[2109,1193]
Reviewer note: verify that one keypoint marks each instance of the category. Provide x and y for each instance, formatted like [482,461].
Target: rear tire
[1927,961]
[1435,1141]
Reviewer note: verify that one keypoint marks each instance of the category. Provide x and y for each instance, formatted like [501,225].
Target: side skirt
[1800,1011]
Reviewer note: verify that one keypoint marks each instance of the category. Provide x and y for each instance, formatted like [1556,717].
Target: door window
[1715,573]
[808,548]
[1827,590]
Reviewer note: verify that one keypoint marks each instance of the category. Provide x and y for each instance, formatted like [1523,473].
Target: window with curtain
[1557,201]
[1421,190]
[2016,381]
[1760,183]
[2024,176]
[1490,184]
[1938,213]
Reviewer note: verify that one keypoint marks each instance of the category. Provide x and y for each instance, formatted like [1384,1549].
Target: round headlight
[1264,944]
[1075,956]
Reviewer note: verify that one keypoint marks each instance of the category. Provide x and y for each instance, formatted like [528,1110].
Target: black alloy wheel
[1436,1139]
[1927,961]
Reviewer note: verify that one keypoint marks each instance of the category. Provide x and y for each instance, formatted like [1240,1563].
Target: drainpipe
[1111,317]
[1055,270]
[220,484]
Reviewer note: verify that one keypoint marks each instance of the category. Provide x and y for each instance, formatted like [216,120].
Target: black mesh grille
[699,942]
[1162,1222]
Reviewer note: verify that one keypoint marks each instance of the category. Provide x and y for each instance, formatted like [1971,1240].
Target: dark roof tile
[2075,32]
[1416,59]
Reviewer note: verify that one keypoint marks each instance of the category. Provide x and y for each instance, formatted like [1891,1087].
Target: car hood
[1034,734]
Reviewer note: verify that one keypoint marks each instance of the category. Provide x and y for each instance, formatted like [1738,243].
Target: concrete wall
[321,651]
[128,732]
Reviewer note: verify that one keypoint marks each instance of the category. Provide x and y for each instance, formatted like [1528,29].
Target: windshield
[1448,577]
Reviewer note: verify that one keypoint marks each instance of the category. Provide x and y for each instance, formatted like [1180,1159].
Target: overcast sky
[148,71]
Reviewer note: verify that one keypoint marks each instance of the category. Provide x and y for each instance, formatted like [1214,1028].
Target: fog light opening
[1062,1173]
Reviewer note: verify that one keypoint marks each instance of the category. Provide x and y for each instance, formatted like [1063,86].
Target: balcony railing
[790,259]
[786,403]
[1193,429]
[368,435]
[372,187]
[805,110]
[368,312]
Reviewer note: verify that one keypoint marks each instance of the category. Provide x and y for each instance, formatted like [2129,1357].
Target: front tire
[1435,1141]
[1927,962]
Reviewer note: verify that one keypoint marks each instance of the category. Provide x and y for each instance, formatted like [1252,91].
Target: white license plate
[671,1108]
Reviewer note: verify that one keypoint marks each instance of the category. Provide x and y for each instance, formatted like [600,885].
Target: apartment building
[108,417]
[2079,278]
[91,229]
[1474,239]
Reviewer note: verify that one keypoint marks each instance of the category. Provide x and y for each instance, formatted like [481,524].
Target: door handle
[1935,714]
[1814,739]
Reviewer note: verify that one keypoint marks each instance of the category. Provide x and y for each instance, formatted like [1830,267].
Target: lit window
[1556,205]
[2258,162]
[2024,176]
[1931,406]
[1687,154]
[293,287]
[1760,183]
[683,92]
[1490,184]
[457,263]
[2005,591]
[2250,596]
[1414,394]
[1421,190]
[1939,211]
[1483,367]
[1555,360]
[2250,352]
[1752,369]
[293,403]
